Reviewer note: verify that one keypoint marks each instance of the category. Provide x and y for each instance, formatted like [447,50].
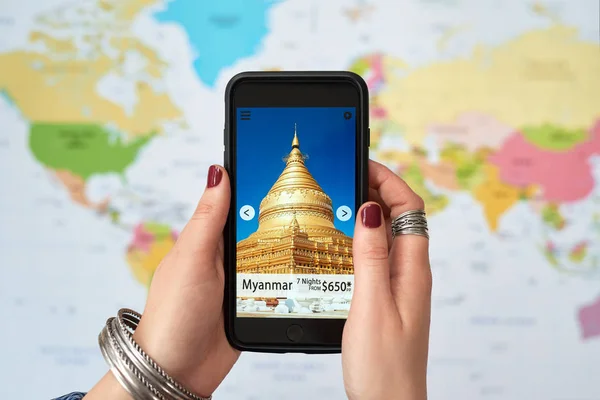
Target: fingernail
[214,176]
[371,216]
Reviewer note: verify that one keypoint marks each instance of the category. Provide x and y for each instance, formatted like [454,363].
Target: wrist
[168,356]
[409,391]
[108,388]
[133,367]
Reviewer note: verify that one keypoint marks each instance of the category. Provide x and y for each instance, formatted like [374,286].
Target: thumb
[370,252]
[205,228]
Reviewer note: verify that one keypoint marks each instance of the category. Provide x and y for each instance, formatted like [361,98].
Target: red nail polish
[214,176]
[371,215]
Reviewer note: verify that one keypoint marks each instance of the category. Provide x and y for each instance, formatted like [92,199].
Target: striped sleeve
[71,396]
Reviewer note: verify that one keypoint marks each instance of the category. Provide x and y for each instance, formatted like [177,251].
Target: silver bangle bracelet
[139,374]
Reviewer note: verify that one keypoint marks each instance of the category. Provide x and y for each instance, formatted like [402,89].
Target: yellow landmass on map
[57,85]
[53,44]
[154,64]
[542,10]
[125,10]
[65,91]
[496,197]
[143,264]
[396,157]
[544,76]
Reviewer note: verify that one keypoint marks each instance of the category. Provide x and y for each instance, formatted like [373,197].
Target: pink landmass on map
[562,176]
[474,130]
[589,320]
[378,112]
[142,239]
[375,78]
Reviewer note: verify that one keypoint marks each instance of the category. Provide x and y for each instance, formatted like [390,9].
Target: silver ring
[413,222]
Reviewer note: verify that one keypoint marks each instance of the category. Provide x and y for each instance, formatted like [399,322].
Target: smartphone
[296,150]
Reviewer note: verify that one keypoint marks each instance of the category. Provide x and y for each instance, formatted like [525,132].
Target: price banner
[291,286]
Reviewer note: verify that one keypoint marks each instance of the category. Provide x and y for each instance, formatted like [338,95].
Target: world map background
[112,111]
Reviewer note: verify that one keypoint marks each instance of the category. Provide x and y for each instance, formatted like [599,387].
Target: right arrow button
[343,213]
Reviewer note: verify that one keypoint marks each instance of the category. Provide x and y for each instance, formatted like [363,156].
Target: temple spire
[295,142]
[294,224]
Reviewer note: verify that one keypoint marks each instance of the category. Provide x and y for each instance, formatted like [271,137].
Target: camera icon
[347,115]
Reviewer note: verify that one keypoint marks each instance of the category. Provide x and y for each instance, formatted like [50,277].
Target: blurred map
[111,112]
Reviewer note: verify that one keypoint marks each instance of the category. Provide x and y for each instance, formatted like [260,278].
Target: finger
[410,271]
[374,196]
[410,279]
[392,190]
[370,252]
[204,230]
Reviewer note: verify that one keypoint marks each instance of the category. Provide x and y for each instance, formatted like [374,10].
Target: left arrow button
[247,213]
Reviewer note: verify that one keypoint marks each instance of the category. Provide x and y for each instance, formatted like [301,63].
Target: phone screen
[295,200]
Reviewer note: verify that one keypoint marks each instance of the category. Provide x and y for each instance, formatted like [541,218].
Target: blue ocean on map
[220,32]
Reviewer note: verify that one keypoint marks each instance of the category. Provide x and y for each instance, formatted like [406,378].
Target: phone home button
[295,333]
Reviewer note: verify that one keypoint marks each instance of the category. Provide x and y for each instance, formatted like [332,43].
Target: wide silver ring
[413,222]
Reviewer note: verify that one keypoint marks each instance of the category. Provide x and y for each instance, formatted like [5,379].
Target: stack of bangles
[133,368]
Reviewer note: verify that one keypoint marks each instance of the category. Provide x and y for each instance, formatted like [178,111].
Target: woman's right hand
[386,338]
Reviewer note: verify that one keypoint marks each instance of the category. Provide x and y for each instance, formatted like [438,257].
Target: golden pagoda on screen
[295,231]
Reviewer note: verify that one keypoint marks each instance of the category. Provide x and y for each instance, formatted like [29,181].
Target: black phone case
[229,300]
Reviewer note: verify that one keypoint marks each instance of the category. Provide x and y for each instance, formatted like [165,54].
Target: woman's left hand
[182,325]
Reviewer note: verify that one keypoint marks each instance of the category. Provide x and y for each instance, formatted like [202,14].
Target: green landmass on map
[157,229]
[115,216]
[552,137]
[360,66]
[469,174]
[578,253]
[83,149]
[552,217]
[469,171]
